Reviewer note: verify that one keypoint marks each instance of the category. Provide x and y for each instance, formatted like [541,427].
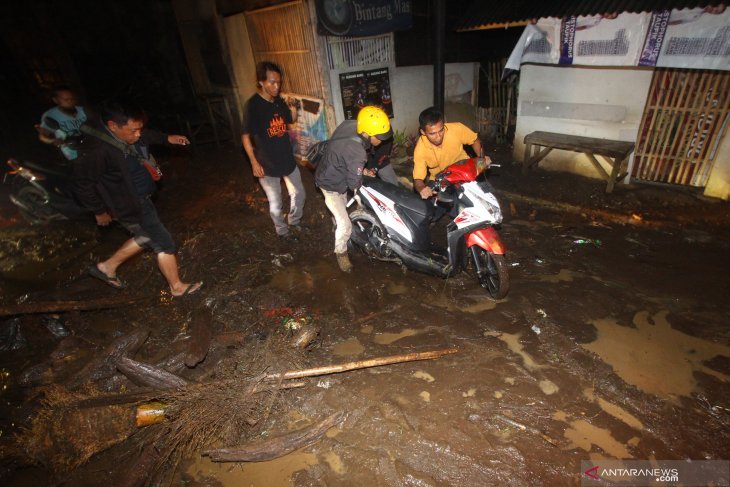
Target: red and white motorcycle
[392,224]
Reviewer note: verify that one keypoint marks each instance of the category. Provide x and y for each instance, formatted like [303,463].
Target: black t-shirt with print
[266,123]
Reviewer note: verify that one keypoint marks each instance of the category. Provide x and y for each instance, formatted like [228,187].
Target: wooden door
[684,121]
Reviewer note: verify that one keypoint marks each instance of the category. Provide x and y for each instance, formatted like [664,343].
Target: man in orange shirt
[440,145]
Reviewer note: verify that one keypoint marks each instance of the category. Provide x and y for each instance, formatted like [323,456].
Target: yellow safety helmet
[374,122]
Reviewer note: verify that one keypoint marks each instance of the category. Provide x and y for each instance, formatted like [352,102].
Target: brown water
[617,351]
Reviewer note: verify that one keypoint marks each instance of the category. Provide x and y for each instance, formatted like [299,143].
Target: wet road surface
[614,348]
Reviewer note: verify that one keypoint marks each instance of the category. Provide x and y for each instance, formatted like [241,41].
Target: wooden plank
[675,117]
[720,114]
[679,81]
[528,153]
[612,148]
[535,158]
[598,166]
[615,152]
[614,177]
[684,124]
[666,120]
[688,128]
[686,168]
[698,146]
[645,126]
[653,117]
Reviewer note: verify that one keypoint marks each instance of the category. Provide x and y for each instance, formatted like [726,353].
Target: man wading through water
[266,142]
[341,169]
[112,180]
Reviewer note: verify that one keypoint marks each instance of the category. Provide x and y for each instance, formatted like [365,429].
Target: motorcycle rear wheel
[494,277]
[34,199]
[370,229]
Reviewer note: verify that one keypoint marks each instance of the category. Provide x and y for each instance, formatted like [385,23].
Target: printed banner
[358,18]
[696,38]
[310,124]
[654,38]
[610,40]
[567,40]
[364,88]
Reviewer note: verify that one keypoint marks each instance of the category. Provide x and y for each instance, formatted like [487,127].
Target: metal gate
[684,121]
[283,34]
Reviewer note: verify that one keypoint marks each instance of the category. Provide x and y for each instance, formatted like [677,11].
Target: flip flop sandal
[114,282]
[191,289]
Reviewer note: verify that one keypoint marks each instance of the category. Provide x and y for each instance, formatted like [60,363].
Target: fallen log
[62,438]
[361,364]
[104,366]
[139,473]
[67,356]
[148,375]
[150,394]
[200,337]
[118,382]
[62,306]
[258,387]
[593,214]
[275,447]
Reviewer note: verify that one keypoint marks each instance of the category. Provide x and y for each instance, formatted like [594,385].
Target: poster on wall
[697,38]
[363,88]
[310,124]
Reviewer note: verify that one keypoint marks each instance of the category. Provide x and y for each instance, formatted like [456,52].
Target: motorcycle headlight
[492,206]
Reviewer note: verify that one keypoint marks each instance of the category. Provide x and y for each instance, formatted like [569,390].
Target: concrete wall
[718,186]
[593,102]
[412,90]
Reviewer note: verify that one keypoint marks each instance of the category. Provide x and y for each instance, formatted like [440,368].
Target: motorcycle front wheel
[491,271]
[35,209]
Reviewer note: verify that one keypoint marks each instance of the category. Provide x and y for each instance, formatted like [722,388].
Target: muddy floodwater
[613,342]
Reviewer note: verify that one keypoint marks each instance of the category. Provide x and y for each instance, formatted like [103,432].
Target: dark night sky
[105,48]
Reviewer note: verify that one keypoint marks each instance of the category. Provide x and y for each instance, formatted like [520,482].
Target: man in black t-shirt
[266,142]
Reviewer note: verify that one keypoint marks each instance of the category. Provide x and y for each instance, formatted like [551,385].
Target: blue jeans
[272,188]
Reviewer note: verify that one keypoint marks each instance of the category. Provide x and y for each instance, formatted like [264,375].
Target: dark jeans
[149,231]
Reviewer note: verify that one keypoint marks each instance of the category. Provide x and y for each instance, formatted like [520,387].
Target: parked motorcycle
[392,224]
[42,191]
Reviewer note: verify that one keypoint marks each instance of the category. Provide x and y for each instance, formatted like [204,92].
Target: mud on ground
[612,348]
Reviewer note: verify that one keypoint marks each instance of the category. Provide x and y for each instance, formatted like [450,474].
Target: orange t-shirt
[431,159]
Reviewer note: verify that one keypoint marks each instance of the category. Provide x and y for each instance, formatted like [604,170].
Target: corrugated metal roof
[491,14]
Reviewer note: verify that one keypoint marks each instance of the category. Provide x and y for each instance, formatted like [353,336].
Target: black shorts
[149,231]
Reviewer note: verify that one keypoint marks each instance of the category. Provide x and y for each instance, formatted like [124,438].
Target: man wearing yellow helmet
[341,169]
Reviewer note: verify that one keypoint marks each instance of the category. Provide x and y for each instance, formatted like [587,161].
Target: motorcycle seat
[402,196]
[60,170]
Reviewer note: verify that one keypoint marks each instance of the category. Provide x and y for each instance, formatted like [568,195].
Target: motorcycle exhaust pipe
[435,265]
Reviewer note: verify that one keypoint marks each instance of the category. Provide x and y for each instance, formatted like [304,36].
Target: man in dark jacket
[379,162]
[341,169]
[113,178]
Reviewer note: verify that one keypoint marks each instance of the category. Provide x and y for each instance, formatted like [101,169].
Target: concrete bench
[616,152]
